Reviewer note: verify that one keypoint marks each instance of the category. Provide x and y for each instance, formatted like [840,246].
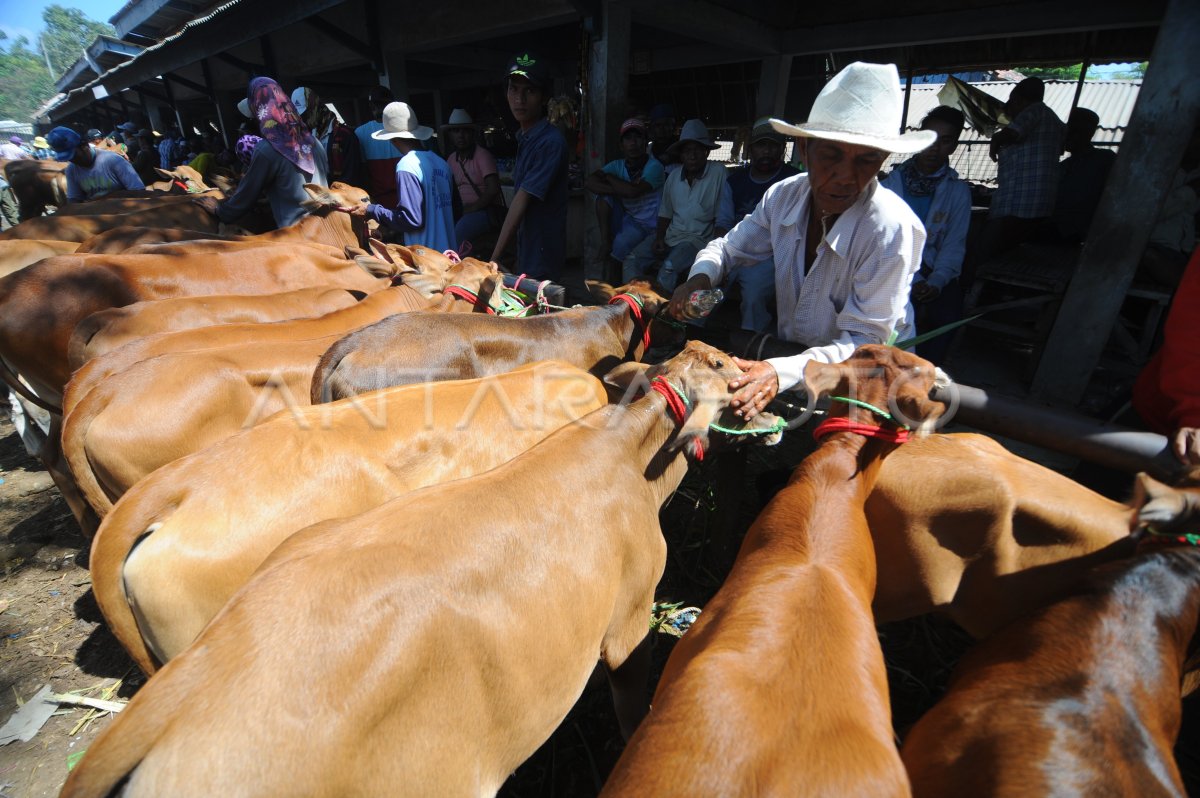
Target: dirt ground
[50,628]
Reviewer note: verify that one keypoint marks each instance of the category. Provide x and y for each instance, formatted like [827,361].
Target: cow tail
[74,448]
[85,331]
[13,380]
[321,391]
[118,536]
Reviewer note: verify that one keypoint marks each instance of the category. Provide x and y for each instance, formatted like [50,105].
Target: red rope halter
[678,405]
[462,293]
[844,424]
[635,308]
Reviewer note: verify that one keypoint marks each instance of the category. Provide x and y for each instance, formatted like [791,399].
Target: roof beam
[1024,19]
[199,88]
[340,36]
[249,67]
[708,23]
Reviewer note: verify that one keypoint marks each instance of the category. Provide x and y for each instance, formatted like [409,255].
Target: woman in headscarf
[281,163]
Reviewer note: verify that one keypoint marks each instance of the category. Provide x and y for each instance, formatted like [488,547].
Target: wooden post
[212,95]
[773,86]
[606,98]
[1159,129]
[166,79]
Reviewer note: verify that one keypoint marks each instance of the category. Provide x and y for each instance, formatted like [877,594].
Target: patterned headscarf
[245,148]
[280,125]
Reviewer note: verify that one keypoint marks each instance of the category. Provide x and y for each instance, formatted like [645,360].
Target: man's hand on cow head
[755,388]
[209,204]
[358,209]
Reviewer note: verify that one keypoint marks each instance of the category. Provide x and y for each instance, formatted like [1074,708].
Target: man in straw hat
[845,249]
[476,178]
[424,210]
[696,205]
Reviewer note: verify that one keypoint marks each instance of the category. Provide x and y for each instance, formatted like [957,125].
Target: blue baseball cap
[63,141]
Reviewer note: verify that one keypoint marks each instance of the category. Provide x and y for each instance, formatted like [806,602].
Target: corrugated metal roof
[1112,100]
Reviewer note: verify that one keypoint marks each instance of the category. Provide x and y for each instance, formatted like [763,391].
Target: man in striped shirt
[845,248]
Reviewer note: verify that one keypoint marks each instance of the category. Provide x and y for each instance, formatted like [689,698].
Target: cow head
[337,196]
[882,377]
[185,176]
[700,375]
[663,331]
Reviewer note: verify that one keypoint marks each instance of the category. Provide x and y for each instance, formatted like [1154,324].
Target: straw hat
[862,105]
[459,118]
[400,122]
[244,107]
[40,143]
[693,130]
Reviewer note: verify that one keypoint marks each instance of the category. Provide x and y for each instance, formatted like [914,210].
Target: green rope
[909,343]
[867,406]
[1189,538]
[778,426]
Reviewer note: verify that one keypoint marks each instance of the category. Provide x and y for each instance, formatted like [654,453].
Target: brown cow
[445,633]
[780,685]
[417,288]
[37,184]
[41,304]
[104,331]
[108,205]
[971,530]
[192,399]
[324,224]
[187,215]
[1081,698]
[306,465]
[18,254]
[460,347]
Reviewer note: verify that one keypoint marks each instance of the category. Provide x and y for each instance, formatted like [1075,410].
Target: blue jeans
[471,226]
[674,266]
[758,289]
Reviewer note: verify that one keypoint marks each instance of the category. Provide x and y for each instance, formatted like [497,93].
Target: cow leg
[41,434]
[629,683]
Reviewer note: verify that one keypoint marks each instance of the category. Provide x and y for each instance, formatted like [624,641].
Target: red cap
[632,124]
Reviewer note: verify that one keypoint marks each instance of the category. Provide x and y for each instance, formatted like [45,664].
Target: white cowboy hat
[244,107]
[862,105]
[400,122]
[459,118]
[693,130]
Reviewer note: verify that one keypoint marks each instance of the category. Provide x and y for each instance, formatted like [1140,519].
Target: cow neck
[641,431]
[631,324]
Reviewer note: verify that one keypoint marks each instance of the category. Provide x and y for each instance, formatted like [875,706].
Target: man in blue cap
[538,212]
[92,172]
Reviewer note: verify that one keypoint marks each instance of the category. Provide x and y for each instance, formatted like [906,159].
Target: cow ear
[821,378]
[1162,506]
[491,290]
[165,174]
[694,432]
[375,267]
[601,291]
[626,374]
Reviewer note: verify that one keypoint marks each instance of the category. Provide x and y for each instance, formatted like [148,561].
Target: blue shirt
[946,216]
[424,212]
[109,172]
[748,192]
[643,209]
[541,169]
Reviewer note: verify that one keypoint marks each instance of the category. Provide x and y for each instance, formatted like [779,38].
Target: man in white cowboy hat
[845,249]
[477,180]
[424,212]
[696,205]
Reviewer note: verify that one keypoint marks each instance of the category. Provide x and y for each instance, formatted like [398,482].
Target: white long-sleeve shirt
[856,291]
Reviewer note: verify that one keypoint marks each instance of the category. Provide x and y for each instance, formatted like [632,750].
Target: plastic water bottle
[702,302]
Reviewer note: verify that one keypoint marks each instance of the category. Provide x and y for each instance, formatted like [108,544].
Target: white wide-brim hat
[244,107]
[862,105]
[400,122]
[693,130]
[459,118]
[299,100]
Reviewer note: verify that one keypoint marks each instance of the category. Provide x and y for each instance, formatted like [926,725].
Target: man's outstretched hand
[757,386]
